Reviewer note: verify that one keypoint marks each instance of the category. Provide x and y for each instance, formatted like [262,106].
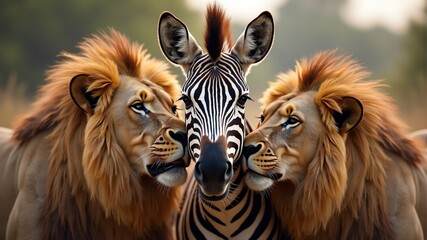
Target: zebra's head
[215,90]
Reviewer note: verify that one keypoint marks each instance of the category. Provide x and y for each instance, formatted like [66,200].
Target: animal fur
[84,185]
[364,184]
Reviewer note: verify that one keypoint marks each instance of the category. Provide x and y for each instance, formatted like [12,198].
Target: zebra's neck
[243,214]
[231,215]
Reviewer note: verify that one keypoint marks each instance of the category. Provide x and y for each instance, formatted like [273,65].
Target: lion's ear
[81,97]
[350,116]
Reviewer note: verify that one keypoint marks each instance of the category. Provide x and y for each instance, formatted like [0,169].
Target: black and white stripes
[243,214]
[217,205]
[213,92]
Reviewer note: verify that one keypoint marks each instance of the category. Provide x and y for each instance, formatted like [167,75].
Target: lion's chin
[170,174]
[258,182]
[173,177]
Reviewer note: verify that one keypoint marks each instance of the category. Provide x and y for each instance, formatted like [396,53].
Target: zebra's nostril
[179,136]
[228,172]
[198,173]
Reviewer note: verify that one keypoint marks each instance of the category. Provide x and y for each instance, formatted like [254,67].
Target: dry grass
[13,102]
[414,113]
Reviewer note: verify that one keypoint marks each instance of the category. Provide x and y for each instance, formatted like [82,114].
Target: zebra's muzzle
[215,197]
[213,170]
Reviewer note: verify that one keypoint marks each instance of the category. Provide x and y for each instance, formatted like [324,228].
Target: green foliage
[305,27]
[411,71]
[409,77]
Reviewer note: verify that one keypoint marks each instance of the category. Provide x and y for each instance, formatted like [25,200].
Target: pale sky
[394,15]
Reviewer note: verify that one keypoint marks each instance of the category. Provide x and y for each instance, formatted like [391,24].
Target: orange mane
[70,208]
[323,204]
[102,57]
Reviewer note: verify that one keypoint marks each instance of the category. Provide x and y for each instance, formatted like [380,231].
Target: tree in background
[411,75]
[409,80]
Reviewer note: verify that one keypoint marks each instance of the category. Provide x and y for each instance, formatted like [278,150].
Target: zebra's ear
[255,42]
[176,42]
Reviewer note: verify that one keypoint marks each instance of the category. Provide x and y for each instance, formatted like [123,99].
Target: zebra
[216,203]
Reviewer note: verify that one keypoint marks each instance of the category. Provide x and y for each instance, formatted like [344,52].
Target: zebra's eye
[242,100]
[139,107]
[187,101]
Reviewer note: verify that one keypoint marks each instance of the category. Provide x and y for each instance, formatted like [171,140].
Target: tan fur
[82,175]
[364,184]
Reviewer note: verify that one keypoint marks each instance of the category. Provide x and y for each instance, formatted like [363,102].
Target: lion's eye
[242,100]
[187,101]
[291,122]
[174,108]
[139,107]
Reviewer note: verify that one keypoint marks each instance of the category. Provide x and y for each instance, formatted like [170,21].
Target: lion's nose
[251,149]
[179,136]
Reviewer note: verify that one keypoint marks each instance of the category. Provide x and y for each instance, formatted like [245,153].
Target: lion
[101,153]
[332,153]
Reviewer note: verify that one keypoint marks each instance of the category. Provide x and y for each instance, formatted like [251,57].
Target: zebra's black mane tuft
[217,34]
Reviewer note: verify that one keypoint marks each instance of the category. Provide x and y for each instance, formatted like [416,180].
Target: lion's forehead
[132,88]
[303,104]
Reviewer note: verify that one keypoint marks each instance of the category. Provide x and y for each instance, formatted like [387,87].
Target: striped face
[215,91]
[215,96]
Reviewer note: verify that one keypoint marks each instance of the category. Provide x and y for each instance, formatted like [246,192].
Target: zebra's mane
[217,34]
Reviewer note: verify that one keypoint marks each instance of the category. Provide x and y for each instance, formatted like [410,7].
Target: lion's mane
[95,190]
[344,190]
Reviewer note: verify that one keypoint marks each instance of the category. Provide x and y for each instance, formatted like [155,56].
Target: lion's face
[284,143]
[144,128]
[293,140]
[148,128]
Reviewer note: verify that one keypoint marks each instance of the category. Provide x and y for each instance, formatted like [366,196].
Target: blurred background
[388,37]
